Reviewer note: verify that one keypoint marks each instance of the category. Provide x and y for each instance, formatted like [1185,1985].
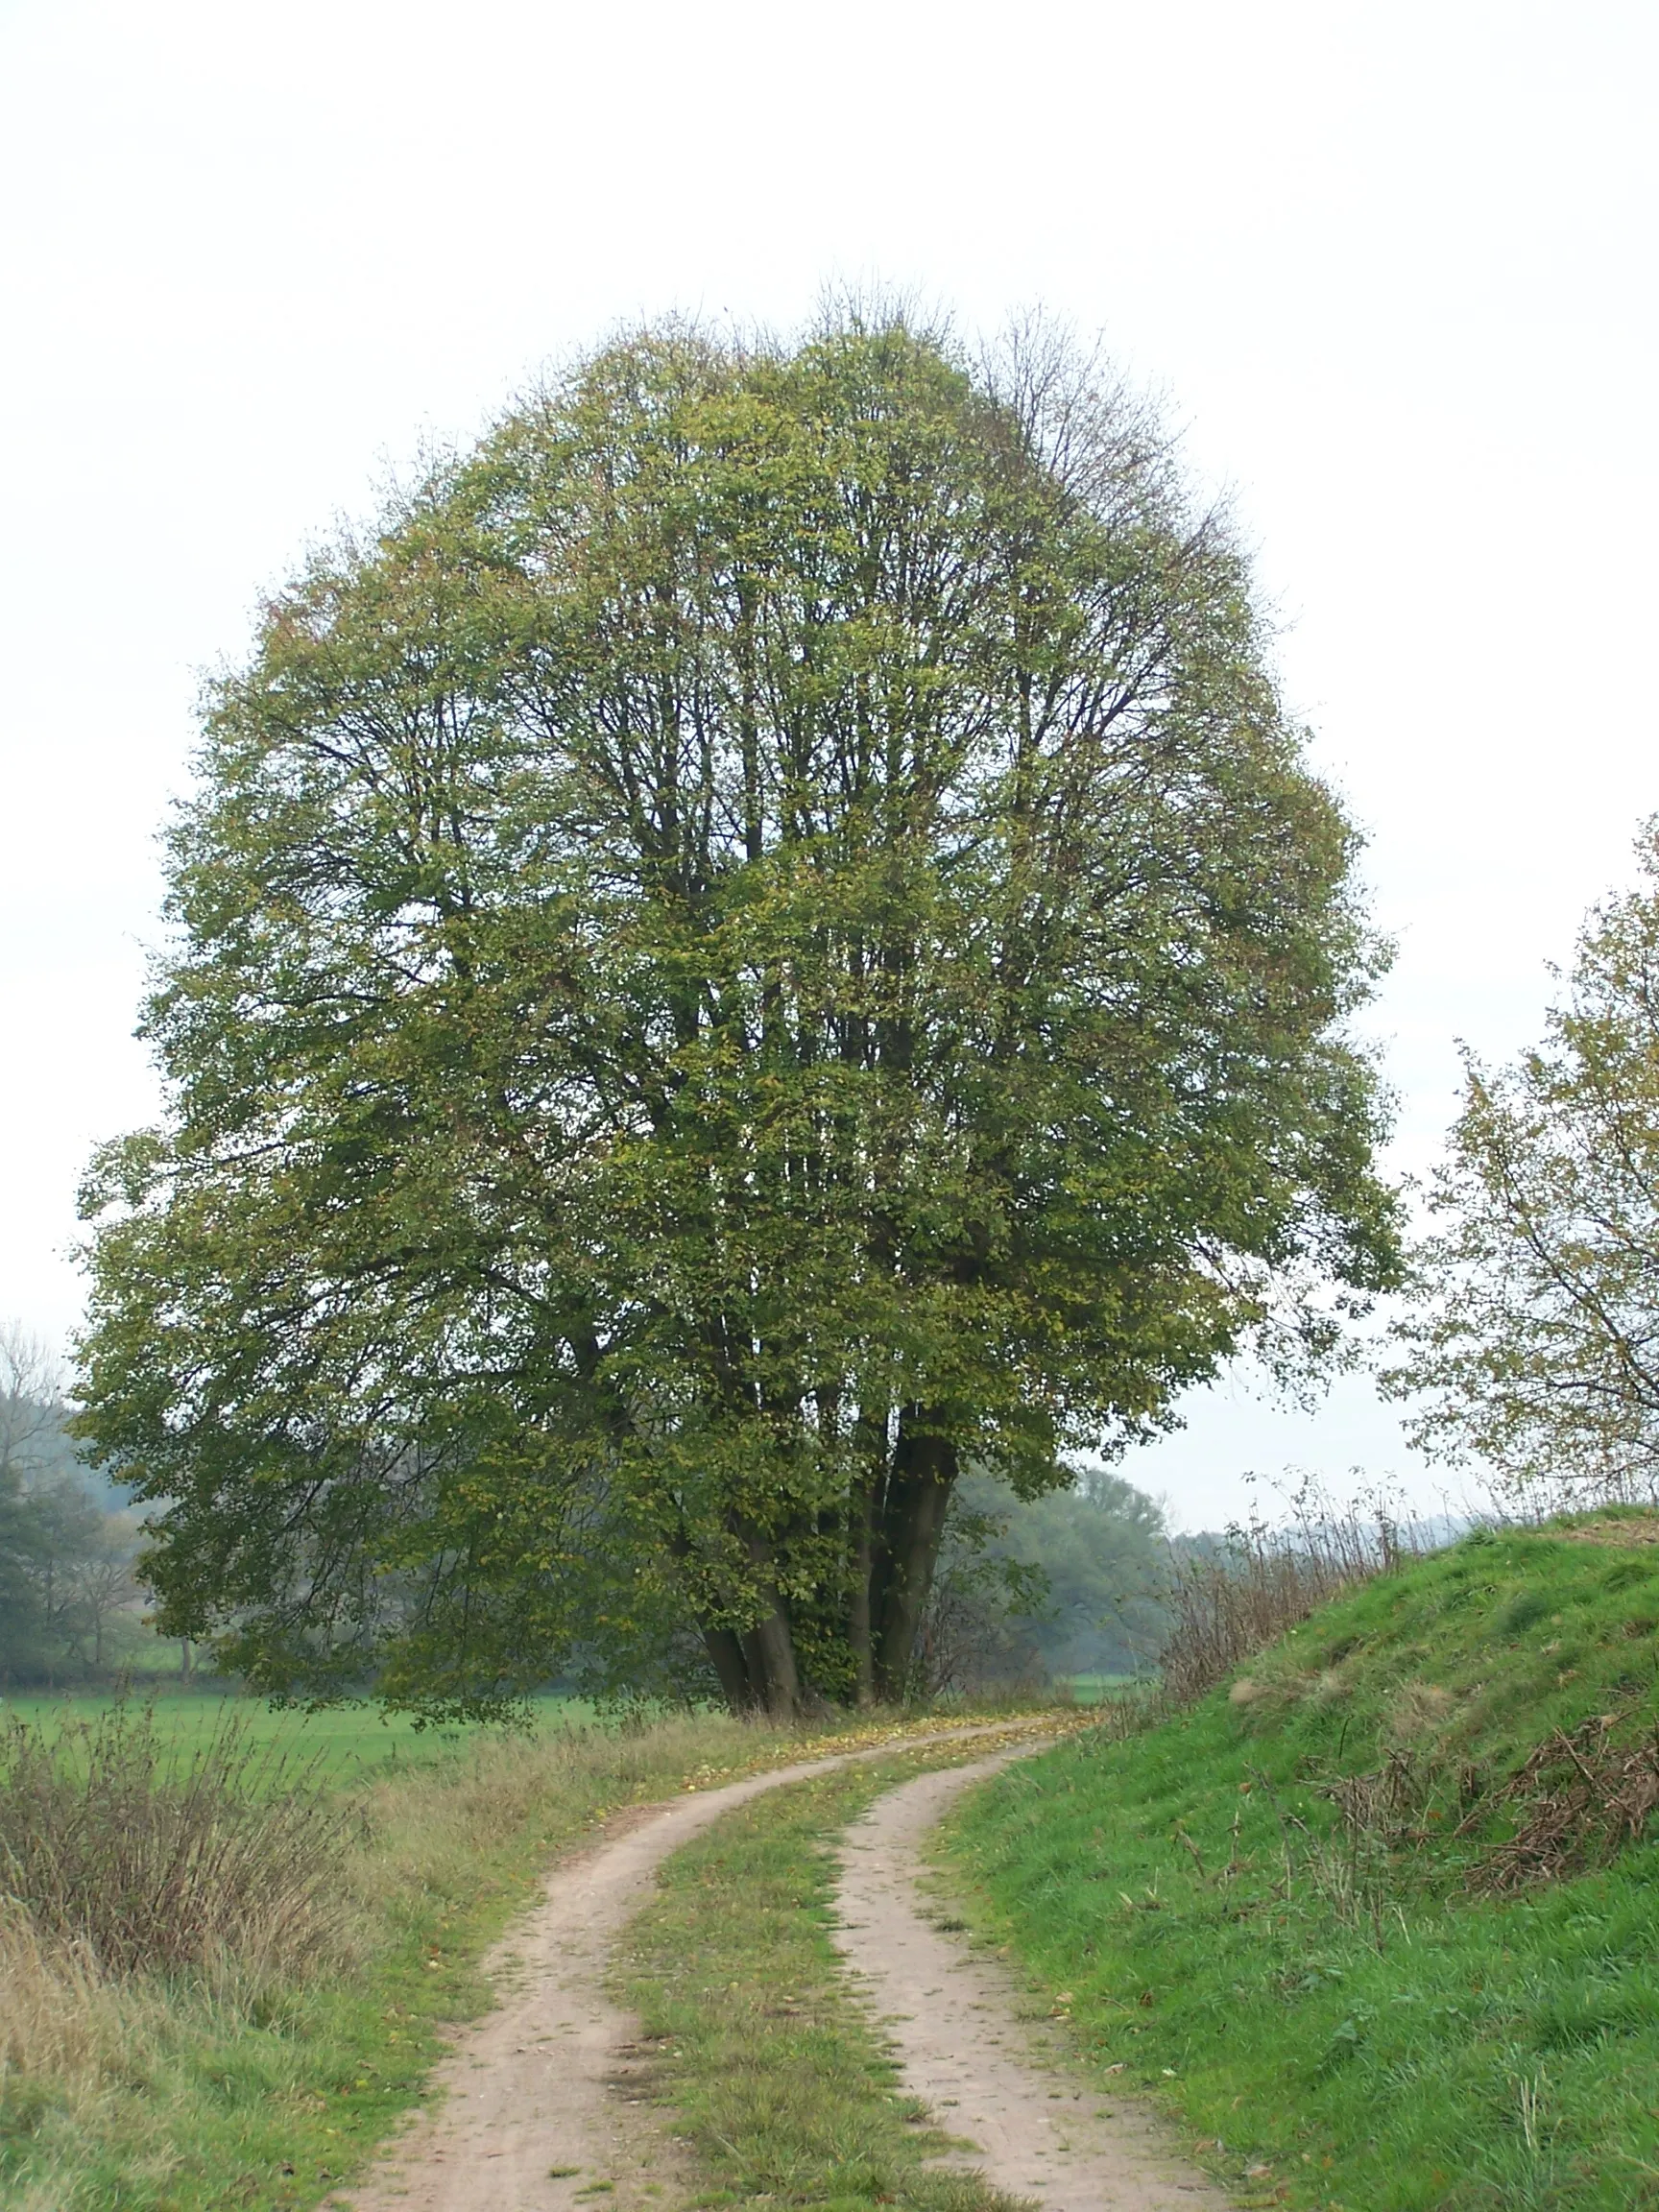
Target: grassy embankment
[779,2079]
[258,2069]
[1368,1921]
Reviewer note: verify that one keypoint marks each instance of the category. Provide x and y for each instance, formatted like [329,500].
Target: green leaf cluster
[1532,1340]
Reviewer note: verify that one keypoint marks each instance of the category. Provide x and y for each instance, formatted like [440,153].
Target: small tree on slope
[767,937]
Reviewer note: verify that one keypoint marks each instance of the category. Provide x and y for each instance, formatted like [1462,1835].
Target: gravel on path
[1037,2128]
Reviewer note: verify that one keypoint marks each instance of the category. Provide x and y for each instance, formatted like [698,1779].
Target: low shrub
[1226,1605]
[130,1857]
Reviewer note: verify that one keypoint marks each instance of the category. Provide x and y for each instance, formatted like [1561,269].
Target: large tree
[766,938]
[1530,1345]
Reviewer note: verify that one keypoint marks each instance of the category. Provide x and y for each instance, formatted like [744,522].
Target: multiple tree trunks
[898,1523]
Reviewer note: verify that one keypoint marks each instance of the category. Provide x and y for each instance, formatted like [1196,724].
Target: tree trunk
[912,1524]
[858,1626]
[757,1667]
[731,1669]
[896,1521]
[775,1677]
[865,1507]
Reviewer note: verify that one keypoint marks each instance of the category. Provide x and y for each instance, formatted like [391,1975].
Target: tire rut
[1032,2126]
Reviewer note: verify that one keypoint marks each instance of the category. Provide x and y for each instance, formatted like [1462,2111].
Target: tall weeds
[133,1859]
[142,1888]
[1224,1605]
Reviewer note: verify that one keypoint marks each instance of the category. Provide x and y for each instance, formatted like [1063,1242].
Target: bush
[133,1858]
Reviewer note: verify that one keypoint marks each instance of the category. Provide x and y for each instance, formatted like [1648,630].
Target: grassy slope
[1375,2038]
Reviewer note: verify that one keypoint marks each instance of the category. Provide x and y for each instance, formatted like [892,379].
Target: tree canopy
[1532,1340]
[767,937]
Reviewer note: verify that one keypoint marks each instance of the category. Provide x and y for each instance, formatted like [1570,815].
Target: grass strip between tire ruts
[780,2082]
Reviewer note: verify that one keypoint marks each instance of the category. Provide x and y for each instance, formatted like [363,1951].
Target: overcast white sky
[1392,264]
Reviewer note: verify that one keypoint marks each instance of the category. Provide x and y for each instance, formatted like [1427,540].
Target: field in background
[1089,1689]
[347,1742]
[353,1742]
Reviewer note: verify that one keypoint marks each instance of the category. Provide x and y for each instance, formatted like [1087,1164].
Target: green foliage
[1071,1582]
[65,1580]
[766,936]
[1103,1554]
[1534,1345]
[1264,1909]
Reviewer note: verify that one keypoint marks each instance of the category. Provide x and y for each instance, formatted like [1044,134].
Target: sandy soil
[990,2075]
[541,2108]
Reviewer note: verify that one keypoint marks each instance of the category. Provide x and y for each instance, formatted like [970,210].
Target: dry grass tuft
[128,1859]
[1617,1531]
[58,2013]
[1416,1710]
[142,1891]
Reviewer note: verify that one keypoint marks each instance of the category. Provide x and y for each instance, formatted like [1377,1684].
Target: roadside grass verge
[1376,1924]
[221,2086]
[779,2081]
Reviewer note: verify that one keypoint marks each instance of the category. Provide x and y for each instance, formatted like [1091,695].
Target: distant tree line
[1034,1590]
[69,1604]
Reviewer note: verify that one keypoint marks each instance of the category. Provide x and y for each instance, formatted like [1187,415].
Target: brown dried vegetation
[1581,1798]
[1226,1606]
[133,1859]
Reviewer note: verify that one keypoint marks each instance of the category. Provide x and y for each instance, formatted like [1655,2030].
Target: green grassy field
[1089,1689]
[348,1742]
[1346,2014]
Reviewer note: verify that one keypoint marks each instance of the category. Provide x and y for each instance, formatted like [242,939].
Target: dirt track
[954,2018]
[538,2110]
